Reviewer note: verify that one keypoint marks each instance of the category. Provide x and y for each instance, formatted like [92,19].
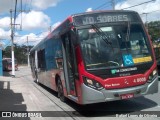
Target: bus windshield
[128,46]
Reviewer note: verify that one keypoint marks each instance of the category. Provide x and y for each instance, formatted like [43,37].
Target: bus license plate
[127,96]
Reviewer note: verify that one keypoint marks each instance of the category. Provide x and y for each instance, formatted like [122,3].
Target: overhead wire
[149,12]
[110,2]
[101,5]
[107,4]
[138,4]
[104,7]
[154,11]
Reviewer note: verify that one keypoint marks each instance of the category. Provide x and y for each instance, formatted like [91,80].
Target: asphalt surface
[24,99]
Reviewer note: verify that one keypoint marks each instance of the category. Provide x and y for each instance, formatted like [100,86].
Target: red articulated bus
[97,57]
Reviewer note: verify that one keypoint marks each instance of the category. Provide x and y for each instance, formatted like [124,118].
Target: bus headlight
[93,84]
[152,76]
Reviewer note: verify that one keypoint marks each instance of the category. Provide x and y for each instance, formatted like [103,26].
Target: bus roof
[102,11]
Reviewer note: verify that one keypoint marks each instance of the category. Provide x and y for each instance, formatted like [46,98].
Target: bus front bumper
[90,95]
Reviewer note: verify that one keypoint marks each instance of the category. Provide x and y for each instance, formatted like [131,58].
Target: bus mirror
[74,30]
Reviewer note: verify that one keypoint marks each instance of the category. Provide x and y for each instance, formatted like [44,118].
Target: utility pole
[12,47]
[146,24]
[28,51]
[50,29]
[113,4]
[12,36]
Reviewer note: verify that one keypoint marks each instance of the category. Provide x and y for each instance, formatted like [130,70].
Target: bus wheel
[60,91]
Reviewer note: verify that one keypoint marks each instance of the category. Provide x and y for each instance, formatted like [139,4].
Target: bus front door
[69,70]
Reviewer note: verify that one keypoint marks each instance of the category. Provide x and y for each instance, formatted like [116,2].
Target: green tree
[20,53]
[154,30]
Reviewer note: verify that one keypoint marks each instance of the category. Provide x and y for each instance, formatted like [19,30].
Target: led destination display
[105,17]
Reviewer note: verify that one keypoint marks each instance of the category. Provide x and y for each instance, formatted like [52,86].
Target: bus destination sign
[104,17]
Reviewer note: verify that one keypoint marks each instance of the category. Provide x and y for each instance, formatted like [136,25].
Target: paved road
[23,94]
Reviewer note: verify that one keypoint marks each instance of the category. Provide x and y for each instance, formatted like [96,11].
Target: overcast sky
[46,13]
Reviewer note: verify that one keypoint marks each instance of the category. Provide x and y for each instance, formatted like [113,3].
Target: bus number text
[138,80]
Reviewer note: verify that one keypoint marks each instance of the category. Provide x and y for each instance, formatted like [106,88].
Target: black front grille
[106,73]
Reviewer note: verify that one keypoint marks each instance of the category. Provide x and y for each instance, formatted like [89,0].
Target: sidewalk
[11,99]
[21,93]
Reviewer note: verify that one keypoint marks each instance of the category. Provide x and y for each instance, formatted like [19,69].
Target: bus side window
[41,59]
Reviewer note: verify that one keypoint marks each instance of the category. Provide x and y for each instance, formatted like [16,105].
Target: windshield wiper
[127,35]
[101,34]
